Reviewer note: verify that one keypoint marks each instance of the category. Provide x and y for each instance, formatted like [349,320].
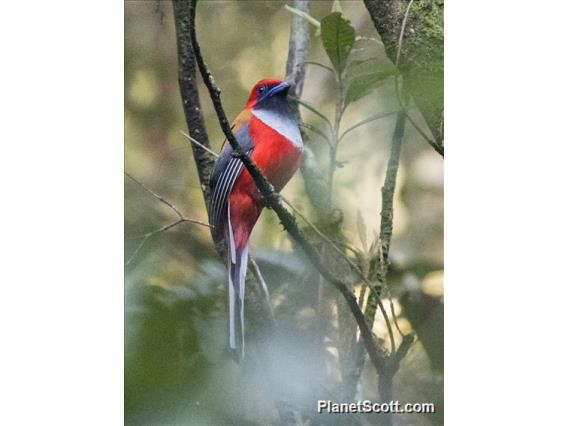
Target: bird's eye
[262,89]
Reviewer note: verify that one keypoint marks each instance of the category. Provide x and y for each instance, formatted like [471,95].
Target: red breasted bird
[267,130]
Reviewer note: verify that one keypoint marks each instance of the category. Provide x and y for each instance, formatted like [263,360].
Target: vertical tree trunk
[422,55]
[385,391]
[190,94]
[298,46]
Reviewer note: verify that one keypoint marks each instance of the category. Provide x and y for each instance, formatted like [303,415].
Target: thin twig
[362,294]
[148,235]
[304,15]
[439,149]
[167,227]
[316,131]
[135,252]
[164,228]
[199,144]
[401,35]
[258,275]
[393,315]
[402,350]
[312,109]
[339,110]
[157,196]
[319,65]
[167,203]
[368,120]
[383,272]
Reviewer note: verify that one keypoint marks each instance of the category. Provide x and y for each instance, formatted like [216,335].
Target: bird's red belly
[278,159]
[278,162]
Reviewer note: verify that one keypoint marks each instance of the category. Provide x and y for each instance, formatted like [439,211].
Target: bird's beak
[282,87]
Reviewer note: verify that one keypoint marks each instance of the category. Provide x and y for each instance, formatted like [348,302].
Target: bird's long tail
[237,265]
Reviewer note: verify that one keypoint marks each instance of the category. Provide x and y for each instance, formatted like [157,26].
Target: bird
[267,130]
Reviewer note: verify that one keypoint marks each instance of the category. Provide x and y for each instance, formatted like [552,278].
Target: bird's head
[267,90]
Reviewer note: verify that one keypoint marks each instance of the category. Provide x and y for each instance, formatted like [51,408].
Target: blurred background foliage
[176,367]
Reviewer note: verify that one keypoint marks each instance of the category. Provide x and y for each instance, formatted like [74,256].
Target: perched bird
[268,131]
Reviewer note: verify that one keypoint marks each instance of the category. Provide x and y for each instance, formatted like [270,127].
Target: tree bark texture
[421,60]
[298,46]
[190,95]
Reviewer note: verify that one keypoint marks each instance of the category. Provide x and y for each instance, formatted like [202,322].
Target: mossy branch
[421,59]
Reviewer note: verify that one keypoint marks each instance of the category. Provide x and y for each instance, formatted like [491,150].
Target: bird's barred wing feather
[226,171]
[220,194]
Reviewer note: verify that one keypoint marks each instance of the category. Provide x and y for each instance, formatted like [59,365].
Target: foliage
[356,78]
[338,38]
[176,369]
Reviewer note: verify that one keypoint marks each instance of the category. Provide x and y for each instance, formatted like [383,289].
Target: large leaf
[362,85]
[367,66]
[338,37]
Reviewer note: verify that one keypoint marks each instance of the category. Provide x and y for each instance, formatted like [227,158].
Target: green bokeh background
[176,368]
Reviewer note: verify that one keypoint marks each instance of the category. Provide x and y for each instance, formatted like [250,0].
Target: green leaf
[365,66]
[362,85]
[369,66]
[338,37]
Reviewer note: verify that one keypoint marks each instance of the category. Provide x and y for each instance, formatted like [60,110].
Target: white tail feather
[237,261]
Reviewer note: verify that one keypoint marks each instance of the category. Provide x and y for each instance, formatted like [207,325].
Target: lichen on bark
[422,53]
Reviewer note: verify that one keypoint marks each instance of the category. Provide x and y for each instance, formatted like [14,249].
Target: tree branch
[190,95]
[437,147]
[200,145]
[367,120]
[421,61]
[296,71]
[298,49]
[159,197]
[387,209]
[263,287]
[148,235]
